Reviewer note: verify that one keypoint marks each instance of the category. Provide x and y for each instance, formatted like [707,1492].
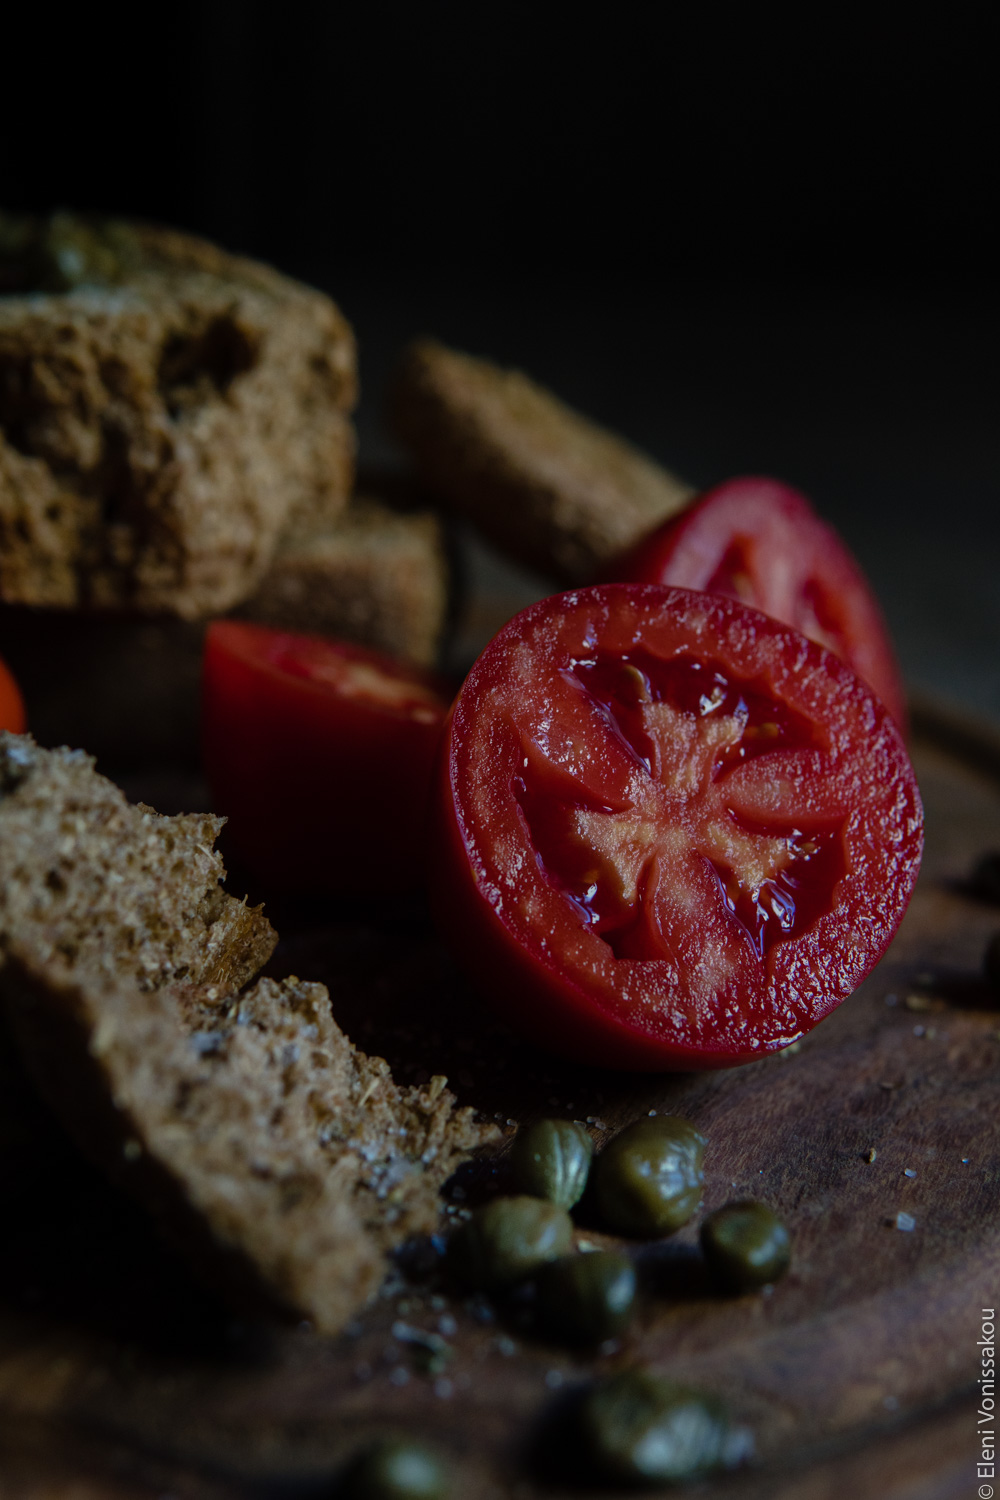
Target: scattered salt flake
[905,1221]
[447,1326]
[554,1379]
[505,1346]
[652,1112]
[870,1154]
[965,1161]
[909,1172]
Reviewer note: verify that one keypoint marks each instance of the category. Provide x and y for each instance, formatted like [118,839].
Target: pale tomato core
[636,874]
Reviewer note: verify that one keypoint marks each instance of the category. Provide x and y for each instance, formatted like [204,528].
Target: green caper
[506,1240]
[395,1469]
[586,1299]
[551,1159]
[639,1429]
[746,1245]
[991,963]
[649,1178]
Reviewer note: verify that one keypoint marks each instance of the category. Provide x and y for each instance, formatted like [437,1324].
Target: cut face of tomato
[670,831]
[761,542]
[320,754]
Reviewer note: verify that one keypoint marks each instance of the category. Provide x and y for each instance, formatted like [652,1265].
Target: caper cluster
[633,1428]
[646,1182]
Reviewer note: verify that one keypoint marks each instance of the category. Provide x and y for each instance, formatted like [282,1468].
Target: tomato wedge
[761,542]
[320,753]
[669,831]
[11,702]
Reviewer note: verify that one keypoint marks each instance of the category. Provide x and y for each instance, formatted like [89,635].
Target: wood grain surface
[119,1376]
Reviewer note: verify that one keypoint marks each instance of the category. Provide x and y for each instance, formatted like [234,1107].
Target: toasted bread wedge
[276,1154]
[375,577]
[553,490]
[165,411]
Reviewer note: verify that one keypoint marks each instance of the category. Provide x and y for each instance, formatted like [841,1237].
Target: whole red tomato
[760,541]
[320,754]
[669,832]
[11,703]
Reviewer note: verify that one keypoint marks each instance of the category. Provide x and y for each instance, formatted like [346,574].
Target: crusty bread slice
[165,410]
[376,577]
[267,1145]
[553,490]
[115,888]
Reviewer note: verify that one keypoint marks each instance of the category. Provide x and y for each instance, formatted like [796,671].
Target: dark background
[751,244]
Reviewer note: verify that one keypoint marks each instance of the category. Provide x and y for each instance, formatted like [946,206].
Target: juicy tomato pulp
[11,703]
[761,542]
[670,831]
[320,753]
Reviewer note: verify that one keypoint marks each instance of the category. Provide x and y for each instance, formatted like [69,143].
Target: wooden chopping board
[120,1377]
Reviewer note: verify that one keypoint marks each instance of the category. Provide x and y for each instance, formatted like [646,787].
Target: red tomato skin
[686,551]
[523,973]
[12,714]
[324,793]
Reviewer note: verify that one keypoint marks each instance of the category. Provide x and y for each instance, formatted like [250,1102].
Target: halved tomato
[760,541]
[669,831]
[11,702]
[320,753]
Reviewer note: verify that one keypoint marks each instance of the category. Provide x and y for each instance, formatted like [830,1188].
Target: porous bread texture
[296,1152]
[376,577]
[113,887]
[552,489]
[259,1136]
[160,430]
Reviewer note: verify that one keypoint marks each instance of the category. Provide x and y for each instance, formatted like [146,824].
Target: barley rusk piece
[114,887]
[553,490]
[376,577]
[161,423]
[281,1158]
[250,1125]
